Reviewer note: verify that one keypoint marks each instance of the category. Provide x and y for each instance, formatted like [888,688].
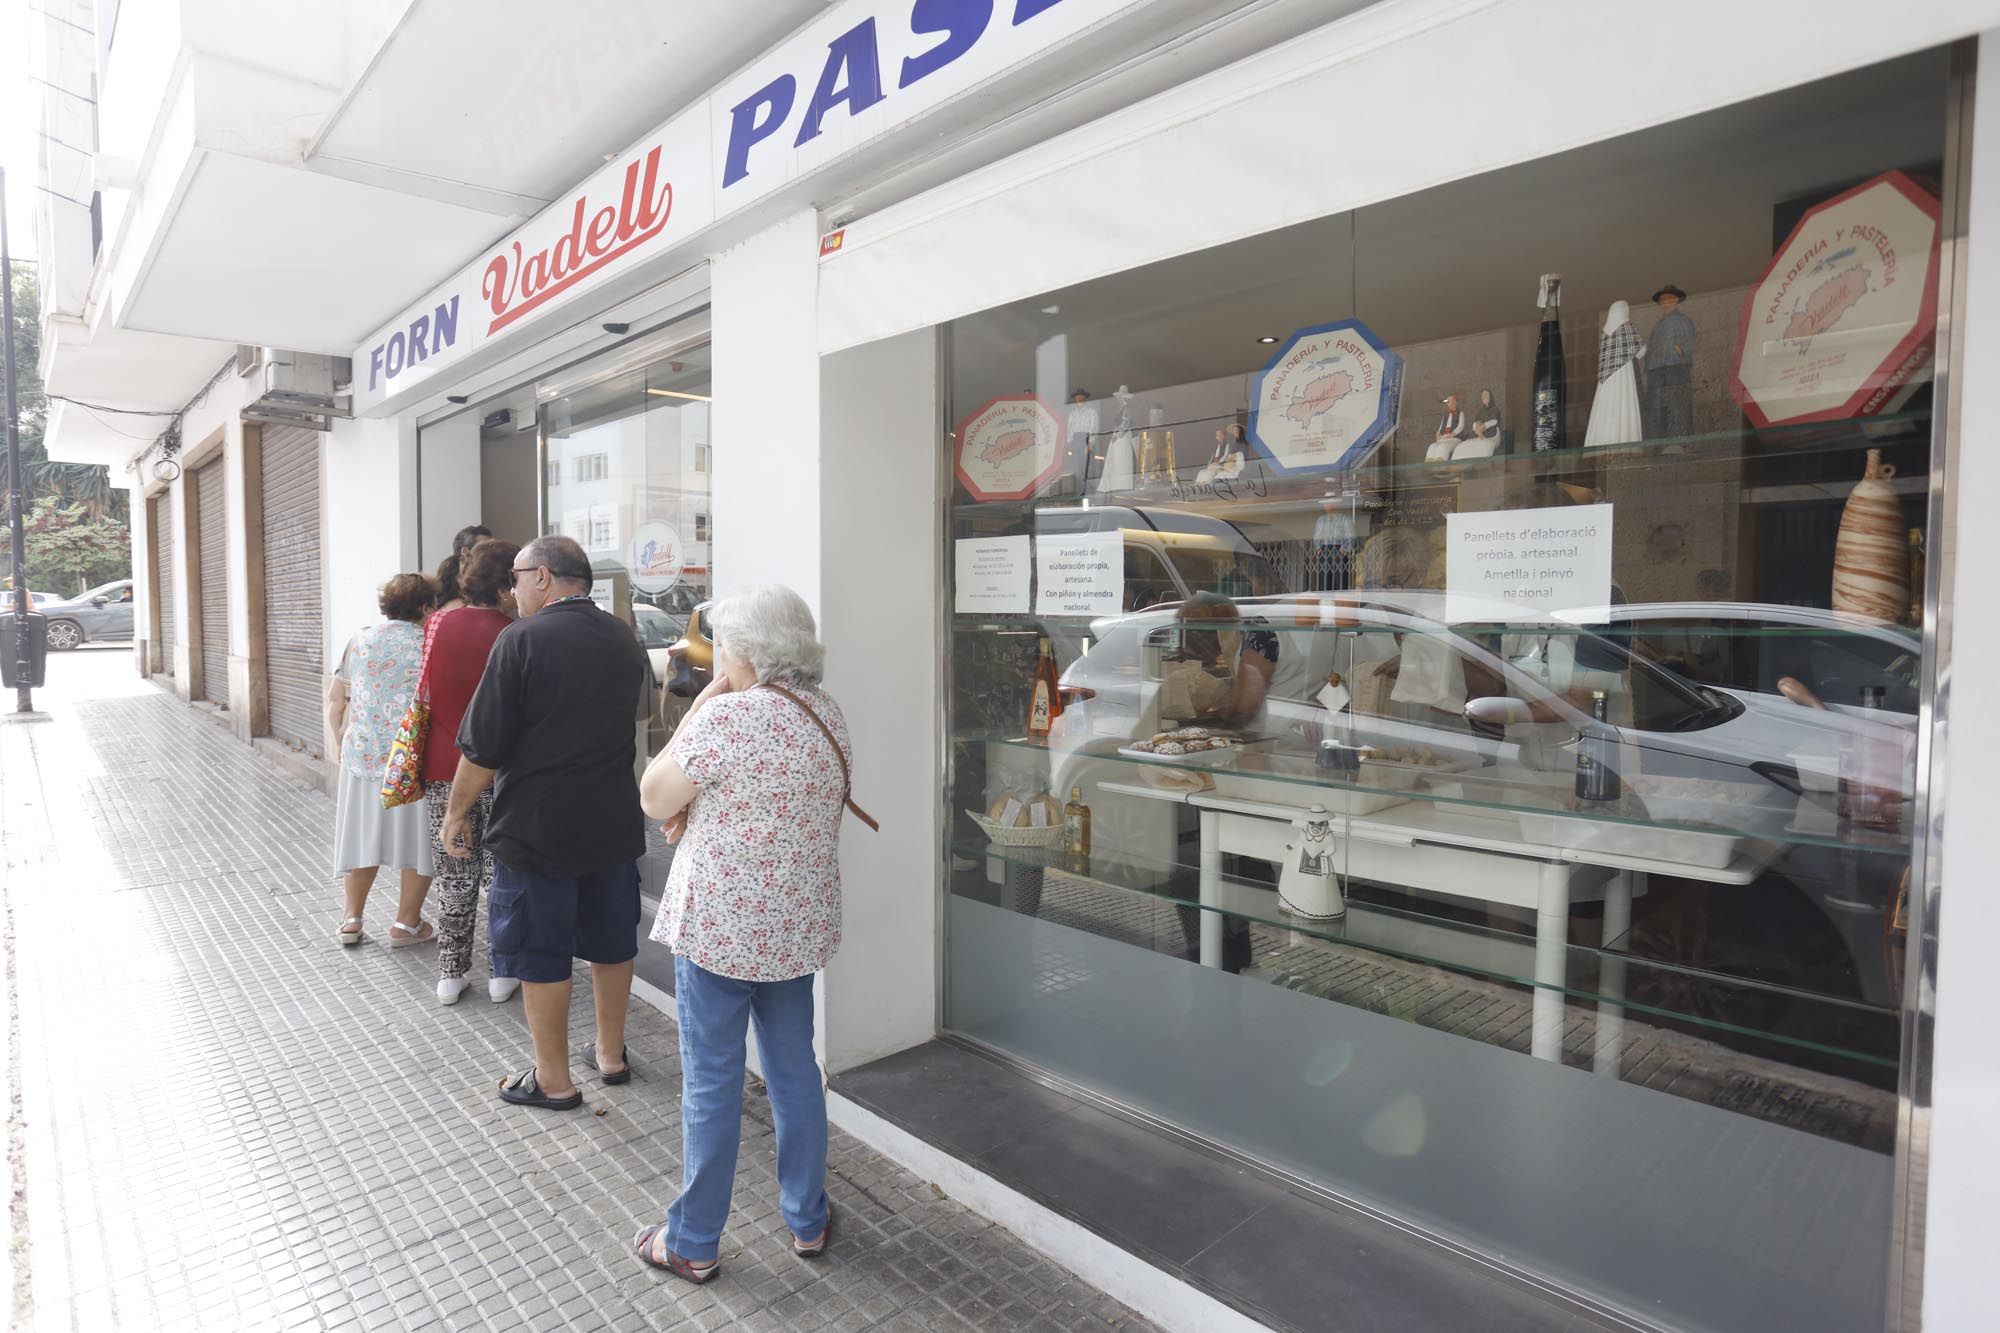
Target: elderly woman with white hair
[752,788]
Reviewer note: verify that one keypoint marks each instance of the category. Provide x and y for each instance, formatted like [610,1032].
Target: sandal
[522,1090]
[685,1269]
[816,1248]
[610,1075]
[421,933]
[350,931]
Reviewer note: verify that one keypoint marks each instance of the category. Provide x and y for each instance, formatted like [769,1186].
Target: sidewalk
[228,1122]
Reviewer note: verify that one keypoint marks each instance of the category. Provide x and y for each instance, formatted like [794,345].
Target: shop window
[593,467]
[1450,654]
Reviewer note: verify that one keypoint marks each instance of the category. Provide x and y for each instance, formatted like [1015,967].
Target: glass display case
[1481,766]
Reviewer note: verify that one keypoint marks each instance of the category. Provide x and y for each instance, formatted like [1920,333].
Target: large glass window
[1481,636]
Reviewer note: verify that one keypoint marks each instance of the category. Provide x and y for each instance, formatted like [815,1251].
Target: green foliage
[95,547]
[70,549]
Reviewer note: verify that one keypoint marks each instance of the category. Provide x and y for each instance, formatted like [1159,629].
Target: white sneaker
[501,989]
[450,988]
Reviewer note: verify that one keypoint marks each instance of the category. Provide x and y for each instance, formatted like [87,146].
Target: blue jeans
[714,1012]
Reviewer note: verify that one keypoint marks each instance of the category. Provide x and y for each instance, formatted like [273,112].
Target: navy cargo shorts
[538,923]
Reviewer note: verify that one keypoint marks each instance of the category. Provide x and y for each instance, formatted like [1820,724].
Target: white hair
[771,628]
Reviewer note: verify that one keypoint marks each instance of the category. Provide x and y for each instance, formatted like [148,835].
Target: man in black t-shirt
[552,722]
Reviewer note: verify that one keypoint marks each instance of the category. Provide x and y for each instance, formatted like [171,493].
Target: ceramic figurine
[1871,570]
[1083,424]
[1120,454]
[1669,412]
[1614,412]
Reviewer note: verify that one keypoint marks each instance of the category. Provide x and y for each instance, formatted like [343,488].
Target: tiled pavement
[231,1123]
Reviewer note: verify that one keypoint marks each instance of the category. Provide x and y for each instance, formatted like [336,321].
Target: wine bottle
[1045,703]
[1551,394]
[1076,828]
[1597,755]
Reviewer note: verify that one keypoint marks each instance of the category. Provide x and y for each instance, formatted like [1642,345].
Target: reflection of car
[36,600]
[1169,554]
[1748,646]
[657,632]
[1701,754]
[102,615]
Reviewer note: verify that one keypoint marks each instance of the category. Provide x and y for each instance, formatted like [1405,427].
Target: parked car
[102,615]
[1747,761]
[1754,646]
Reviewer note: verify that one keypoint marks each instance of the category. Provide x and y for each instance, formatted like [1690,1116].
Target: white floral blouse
[754,893]
[380,667]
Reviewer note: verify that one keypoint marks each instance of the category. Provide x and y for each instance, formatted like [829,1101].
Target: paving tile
[335,1156]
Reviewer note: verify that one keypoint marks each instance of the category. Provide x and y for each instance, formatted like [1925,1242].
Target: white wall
[766,411]
[449,468]
[879,588]
[1962,1233]
[371,520]
[1079,206]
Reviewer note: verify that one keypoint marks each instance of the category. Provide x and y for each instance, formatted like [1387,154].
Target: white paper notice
[1080,574]
[1524,563]
[991,575]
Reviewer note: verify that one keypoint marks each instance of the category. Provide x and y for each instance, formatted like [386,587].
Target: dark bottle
[1551,394]
[1597,756]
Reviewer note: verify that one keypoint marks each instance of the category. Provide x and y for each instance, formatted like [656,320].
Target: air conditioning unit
[295,388]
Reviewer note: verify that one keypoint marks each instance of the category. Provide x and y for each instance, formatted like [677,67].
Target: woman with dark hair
[372,687]
[451,569]
[460,642]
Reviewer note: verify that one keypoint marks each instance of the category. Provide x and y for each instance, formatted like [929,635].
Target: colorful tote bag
[403,777]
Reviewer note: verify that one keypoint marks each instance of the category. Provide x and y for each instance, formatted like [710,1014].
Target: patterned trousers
[458,884]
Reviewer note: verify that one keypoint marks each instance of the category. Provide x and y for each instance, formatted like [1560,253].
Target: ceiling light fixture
[676,393]
[1051,310]
[618,329]
[1268,338]
[456,399]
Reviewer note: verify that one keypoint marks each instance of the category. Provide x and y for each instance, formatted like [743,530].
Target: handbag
[403,777]
[846,777]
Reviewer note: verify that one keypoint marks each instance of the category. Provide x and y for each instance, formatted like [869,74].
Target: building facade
[1493,549]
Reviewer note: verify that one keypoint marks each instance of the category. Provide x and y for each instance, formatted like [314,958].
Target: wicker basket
[1001,836]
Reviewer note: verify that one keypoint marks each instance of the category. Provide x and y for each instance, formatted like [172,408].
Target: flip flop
[421,933]
[621,1076]
[350,931]
[818,1247]
[522,1090]
[642,1244]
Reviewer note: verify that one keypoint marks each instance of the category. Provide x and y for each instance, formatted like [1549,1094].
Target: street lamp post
[24,699]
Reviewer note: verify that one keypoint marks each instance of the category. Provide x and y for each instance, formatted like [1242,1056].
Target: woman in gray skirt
[374,684]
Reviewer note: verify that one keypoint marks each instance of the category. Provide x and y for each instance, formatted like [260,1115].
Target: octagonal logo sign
[1327,398]
[1010,448]
[1844,321]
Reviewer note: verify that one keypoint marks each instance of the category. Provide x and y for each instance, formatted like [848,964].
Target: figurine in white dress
[1120,451]
[1614,413]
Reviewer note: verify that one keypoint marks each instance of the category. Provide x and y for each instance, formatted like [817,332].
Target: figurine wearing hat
[1669,406]
[1450,432]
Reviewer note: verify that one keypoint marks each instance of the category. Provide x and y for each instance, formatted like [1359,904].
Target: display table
[1421,846]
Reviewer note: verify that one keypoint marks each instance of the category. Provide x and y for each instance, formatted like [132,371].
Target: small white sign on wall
[1538,562]
[1080,574]
[990,575]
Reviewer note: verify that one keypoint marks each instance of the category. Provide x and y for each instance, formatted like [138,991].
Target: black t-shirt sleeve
[492,722]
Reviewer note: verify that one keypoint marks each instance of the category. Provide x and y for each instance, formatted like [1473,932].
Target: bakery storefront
[1438,694]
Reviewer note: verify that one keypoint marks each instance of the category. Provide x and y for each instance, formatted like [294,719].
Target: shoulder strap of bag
[846,777]
[424,667]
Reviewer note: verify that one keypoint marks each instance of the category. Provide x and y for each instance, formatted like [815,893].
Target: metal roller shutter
[163,557]
[293,627]
[212,505]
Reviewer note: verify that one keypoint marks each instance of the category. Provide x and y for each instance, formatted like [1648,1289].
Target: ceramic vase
[1871,558]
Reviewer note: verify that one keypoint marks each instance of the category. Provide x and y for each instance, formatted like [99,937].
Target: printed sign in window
[1529,563]
[1080,574]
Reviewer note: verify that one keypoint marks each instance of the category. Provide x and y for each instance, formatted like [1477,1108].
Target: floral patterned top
[754,892]
[380,667]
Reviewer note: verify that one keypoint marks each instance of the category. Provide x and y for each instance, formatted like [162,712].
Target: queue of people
[528,797]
